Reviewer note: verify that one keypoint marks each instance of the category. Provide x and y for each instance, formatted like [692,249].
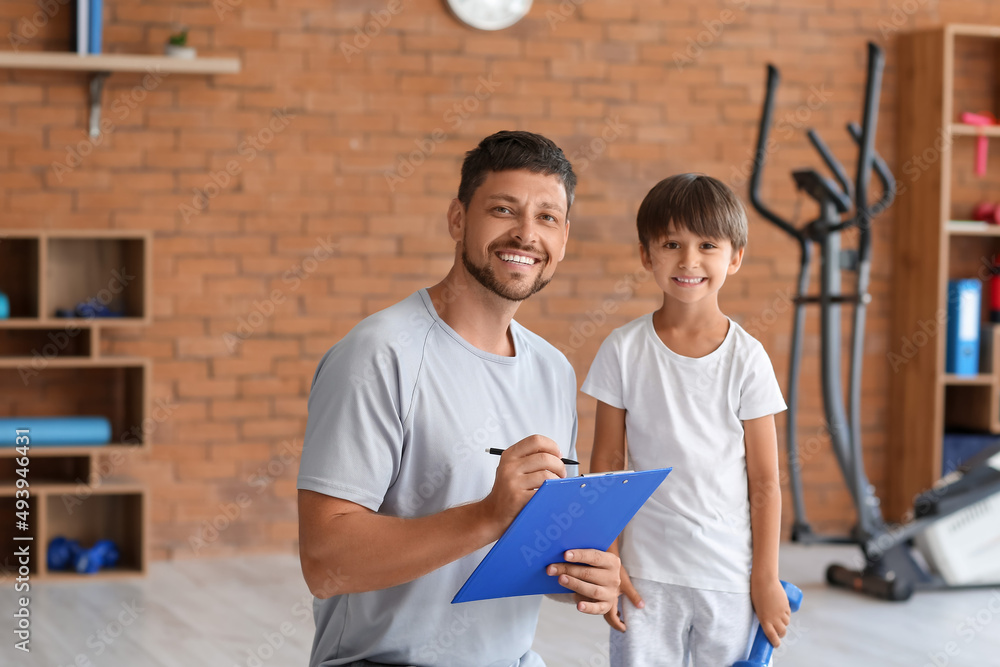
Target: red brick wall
[256,276]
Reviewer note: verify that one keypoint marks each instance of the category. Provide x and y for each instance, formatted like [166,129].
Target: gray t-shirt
[400,414]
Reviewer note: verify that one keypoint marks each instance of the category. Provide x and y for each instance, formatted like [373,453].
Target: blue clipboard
[574,513]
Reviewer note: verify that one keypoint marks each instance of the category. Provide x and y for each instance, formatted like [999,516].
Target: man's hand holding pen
[593,575]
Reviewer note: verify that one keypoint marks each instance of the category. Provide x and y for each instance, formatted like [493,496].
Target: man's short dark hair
[507,150]
[698,203]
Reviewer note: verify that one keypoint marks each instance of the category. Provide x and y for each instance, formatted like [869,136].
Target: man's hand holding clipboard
[592,574]
[547,519]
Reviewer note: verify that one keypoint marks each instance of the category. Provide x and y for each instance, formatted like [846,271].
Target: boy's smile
[689,268]
[689,281]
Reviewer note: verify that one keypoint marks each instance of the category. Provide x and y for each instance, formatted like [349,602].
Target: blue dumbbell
[760,652]
[103,554]
[62,553]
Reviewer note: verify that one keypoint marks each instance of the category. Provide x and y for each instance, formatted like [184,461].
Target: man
[398,500]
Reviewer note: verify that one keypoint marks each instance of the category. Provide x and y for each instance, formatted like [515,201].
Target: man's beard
[517,291]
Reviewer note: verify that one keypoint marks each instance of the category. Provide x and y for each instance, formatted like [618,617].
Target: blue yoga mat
[56,430]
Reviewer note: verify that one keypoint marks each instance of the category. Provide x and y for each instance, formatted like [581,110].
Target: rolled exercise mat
[56,430]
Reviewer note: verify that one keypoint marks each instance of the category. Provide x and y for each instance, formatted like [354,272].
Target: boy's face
[514,232]
[688,267]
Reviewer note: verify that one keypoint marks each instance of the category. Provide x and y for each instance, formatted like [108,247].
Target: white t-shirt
[688,413]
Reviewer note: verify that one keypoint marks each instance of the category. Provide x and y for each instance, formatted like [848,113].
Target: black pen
[498,452]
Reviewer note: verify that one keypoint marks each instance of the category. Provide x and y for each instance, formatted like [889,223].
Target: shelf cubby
[115,512]
[19,276]
[110,388]
[37,346]
[47,470]
[107,271]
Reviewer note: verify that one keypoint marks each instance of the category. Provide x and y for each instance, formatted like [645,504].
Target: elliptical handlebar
[831,162]
[760,157]
[882,170]
[868,158]
[866,147]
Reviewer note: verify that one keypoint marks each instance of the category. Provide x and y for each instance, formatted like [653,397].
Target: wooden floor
[254,611]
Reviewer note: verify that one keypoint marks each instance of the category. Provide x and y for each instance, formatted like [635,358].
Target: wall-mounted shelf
[101,66]
[964,130]
[972,228]
[118,62]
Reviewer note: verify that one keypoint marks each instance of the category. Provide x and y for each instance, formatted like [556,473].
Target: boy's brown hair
[698,203]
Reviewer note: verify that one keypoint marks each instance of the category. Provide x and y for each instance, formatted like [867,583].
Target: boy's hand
[771,605]
[614,619]
[594,583]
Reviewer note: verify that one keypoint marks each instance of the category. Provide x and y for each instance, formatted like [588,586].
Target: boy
[693,390]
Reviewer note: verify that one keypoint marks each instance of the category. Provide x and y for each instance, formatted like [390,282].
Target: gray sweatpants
[681,626]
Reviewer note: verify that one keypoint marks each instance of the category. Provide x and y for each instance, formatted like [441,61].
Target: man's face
[514,232]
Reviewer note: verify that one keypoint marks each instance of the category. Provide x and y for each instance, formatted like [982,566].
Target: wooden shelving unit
[53,366]
[942,73]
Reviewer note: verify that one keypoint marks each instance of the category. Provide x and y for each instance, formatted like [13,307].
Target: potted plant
[177,45]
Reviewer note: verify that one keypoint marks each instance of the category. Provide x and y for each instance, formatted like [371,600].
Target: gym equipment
[760,651]
[891,571]
[88,309]
[65,554]
[987,212]
[62,553]
[103,554]
[57,430]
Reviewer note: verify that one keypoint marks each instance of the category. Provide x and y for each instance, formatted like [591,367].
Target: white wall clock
[489,14]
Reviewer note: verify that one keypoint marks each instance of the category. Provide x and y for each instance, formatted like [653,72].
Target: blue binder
[96,26]
[574,513]
[964,305]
